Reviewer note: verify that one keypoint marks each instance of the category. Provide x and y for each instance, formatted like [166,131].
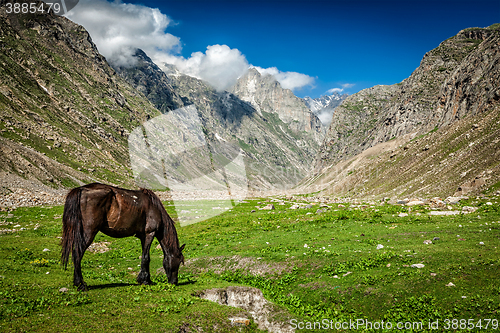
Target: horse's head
[174,260]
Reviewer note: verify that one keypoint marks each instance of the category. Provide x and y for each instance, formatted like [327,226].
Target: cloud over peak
[220,65]
[118,29]
[288,80]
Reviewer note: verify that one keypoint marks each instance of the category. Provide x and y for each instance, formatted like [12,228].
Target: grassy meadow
[311,265]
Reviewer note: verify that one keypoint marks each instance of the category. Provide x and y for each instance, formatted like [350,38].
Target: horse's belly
[117,233]
[122,222]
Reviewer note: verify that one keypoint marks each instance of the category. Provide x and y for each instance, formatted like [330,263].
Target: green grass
[302,259]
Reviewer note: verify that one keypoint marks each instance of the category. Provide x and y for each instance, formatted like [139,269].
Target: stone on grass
[418,266]
[268,207]
[403,214]
[444,213]
[238,321]
[63,289]
[415,203]
[450,284]
[427,241]
[380,246]
[469,209]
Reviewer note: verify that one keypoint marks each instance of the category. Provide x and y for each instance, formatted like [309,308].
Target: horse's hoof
[82,287]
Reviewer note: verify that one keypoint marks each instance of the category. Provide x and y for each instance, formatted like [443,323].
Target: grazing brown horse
[118,213]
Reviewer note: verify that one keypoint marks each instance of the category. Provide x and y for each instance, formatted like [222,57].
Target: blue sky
[336,44]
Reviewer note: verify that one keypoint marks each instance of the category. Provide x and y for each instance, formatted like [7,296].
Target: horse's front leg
[144,277]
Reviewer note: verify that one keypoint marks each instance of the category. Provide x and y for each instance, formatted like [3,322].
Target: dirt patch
[249,265]
[251,300]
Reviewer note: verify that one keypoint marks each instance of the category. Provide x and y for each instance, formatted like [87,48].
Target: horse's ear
[182,247]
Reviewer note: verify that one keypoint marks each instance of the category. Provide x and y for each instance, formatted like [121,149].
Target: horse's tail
[72,236]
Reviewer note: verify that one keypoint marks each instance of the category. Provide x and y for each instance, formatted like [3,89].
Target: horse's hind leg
[77,261]
[144,276]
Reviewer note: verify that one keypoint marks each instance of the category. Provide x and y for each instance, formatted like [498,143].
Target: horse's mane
[170,234]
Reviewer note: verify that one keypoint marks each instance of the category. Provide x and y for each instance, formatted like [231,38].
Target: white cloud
[288,80]
[325,116]
[331,91]
[339,90]
[118,29]
[220,65]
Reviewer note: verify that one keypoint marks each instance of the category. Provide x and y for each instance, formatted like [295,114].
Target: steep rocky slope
[65,114]
[436,94]
[444,119]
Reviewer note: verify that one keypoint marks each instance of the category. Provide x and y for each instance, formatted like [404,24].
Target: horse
[118,213]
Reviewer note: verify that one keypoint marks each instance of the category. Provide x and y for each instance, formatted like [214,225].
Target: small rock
[388,265]
[347,274]
[268,207]
[46,250]
[418,266]
[454,200]
[415,203]
[469,209]
[237,321]
[403,214]
[435,239]
[252,211]
[481,243]
[380,246]
[63,290]
[489,203]
[444,213]
[427,241]
[450,285]
[437,203]
[433,274]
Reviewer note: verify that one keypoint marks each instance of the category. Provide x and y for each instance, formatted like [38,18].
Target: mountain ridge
[456,83]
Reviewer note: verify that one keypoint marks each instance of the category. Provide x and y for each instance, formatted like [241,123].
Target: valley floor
[299,261]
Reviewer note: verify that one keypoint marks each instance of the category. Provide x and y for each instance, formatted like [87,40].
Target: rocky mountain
[64,113]
[279,143]
[325,101]
[150,80]
[444,118]
[265,94]
[324,106]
